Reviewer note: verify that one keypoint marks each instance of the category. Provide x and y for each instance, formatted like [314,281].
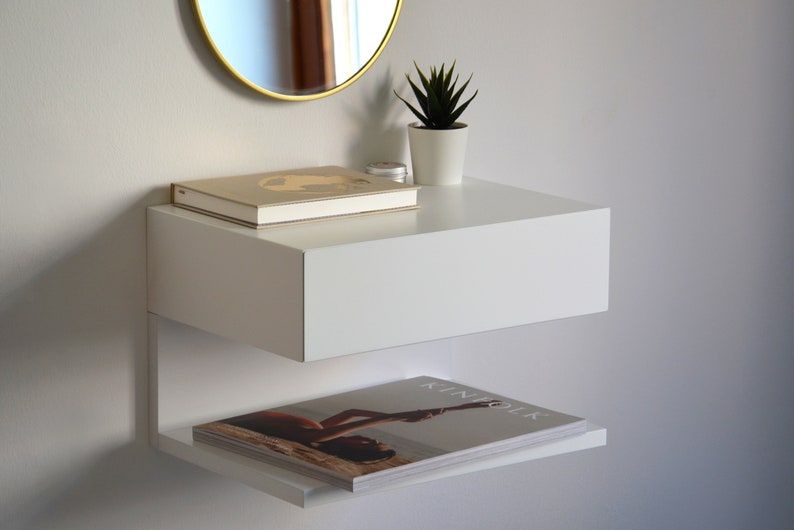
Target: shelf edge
[307,492]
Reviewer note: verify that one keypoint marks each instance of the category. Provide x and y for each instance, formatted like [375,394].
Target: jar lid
[387,168]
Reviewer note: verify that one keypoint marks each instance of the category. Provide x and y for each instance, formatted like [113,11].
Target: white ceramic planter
[437,155]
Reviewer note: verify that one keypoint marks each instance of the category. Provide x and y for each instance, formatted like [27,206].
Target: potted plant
[437,141]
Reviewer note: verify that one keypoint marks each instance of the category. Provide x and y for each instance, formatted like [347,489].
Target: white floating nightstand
[475,257]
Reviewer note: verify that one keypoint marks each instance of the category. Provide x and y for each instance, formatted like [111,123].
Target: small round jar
[396,171]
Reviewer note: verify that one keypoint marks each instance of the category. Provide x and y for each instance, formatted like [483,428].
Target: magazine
[363,438]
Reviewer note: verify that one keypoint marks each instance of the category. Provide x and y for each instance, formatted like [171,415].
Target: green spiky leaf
[437,96]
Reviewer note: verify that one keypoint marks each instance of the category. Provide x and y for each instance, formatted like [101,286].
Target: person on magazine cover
[328,435]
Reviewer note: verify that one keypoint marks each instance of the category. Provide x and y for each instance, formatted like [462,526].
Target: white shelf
[473,258]
[307,492]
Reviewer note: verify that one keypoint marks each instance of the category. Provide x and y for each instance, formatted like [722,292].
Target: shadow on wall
[73,363]
[382,136]
[127,484]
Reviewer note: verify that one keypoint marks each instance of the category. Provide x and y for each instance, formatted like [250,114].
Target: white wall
[679,115]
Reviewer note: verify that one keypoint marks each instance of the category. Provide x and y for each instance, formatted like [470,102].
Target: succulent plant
[437,98]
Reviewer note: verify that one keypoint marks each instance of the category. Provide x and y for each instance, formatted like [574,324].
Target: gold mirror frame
[294,97]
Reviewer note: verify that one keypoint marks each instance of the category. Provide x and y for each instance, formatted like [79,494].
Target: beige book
[266,199]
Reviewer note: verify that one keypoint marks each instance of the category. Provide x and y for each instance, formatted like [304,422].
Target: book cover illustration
[358,438]
[296,185]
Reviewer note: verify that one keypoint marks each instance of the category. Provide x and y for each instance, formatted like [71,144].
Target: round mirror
[297,49]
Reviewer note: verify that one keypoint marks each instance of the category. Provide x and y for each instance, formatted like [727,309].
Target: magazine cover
[361,438]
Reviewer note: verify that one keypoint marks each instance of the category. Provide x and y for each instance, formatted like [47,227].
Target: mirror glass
[297,49]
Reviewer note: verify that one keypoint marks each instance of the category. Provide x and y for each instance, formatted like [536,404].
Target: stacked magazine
[364,438]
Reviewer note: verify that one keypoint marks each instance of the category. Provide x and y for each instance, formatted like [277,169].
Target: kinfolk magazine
[364,438]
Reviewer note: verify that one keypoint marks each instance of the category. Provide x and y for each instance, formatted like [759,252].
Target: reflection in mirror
[297,49]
